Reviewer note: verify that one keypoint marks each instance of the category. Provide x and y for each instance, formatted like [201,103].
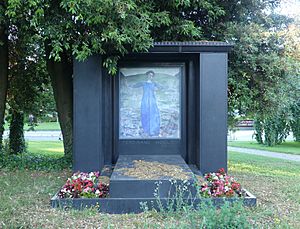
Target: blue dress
[150,116]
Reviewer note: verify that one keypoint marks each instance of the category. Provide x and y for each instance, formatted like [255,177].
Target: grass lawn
[41,126]
[275,184]
[25,198]
[47,148]
[286,147]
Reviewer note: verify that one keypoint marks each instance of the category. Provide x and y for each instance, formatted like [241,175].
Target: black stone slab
[88,153]
[213,112]
[164,186]
[133,205]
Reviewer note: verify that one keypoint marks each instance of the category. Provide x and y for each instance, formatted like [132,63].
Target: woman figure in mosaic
[150,116]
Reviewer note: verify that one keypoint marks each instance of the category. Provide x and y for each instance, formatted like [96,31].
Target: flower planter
[85,190]
[133,205]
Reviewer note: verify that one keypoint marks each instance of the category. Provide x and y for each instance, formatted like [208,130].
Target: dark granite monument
[169,101]
[163,117]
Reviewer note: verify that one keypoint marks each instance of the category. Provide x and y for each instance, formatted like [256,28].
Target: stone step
[151,176]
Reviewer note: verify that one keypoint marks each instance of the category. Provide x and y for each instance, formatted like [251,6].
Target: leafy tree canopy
[116,27]
[262,64]
[109,27]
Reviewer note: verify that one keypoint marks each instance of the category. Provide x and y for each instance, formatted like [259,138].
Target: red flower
[82,184]
[222,171]
[235,185]
[229,193]
[220,184]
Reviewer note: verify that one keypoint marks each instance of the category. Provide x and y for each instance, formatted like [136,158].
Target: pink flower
[222,171]
[219,184]
[81,183]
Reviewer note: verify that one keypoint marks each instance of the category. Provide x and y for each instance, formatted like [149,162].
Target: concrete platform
[133,205]
[150,176]
[127,193]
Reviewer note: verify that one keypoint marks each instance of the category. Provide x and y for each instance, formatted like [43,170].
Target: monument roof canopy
[190,46]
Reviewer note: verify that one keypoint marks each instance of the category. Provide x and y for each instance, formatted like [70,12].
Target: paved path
[239,135]
[39,135]
[242,135]
[265,153]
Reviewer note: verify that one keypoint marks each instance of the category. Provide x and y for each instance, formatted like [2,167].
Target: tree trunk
[62,82]
[3,76]
[295,124]
[16,133]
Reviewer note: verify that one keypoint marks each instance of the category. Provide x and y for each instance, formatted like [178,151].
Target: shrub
[181,211]
[230,215]
[206,215]
[33,162]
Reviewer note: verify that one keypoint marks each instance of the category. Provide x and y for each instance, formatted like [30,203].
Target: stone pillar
[87,114]
[213,112]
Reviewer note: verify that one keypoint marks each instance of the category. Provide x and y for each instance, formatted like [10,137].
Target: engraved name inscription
[145,142]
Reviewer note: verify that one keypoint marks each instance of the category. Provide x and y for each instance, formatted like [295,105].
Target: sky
[290,8]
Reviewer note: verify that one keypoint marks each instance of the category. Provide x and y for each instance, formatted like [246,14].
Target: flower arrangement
[220,184]
[84,185]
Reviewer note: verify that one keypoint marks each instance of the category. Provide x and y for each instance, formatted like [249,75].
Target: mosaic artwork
[149,102]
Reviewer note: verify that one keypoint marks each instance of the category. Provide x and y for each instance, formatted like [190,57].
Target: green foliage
[42,156]
[275,129]
[229,216]
[1,136]
[199,215]
[44,107]
[295,123]
[206,215]
[258,130]
[262,81]
[27,69]
[111,28]
[27,73]
[2,13]
[255,66]
[260,71]
[27,161]
[16,134]
[276,119]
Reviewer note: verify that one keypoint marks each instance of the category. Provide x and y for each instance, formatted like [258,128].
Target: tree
[262,80]
[44,109]
[295,124]
[3,66]
[259,69]
[240,22]
[27,72]
[114,28]
[82,28]
[292,50]
[111,28]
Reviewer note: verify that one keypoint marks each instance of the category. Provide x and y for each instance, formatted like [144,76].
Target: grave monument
[162,117]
